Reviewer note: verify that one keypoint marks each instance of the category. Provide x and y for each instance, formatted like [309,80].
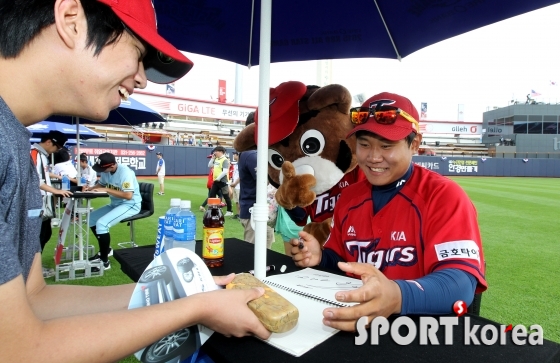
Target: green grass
[520,224]
[519,220]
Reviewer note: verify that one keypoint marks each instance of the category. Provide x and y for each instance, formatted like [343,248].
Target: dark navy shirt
[247,166]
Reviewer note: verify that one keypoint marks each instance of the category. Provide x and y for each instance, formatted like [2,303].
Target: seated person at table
[63,166]
[87,171]
[409,233]
[119,181]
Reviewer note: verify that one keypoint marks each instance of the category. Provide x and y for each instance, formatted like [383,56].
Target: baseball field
[520,224]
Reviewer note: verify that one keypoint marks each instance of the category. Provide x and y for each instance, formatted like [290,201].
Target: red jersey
[430,224]
[323,206]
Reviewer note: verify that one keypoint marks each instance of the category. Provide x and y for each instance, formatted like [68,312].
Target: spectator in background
[235,185]
[209,182]
[247,167]
[50,143]
[87,171]
[220,176]
[160,172]
[63,165]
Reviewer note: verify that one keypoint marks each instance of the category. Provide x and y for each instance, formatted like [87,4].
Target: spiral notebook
[311,291]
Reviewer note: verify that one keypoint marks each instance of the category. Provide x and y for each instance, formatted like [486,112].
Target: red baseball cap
[283,111]
[394,132]
[164,63]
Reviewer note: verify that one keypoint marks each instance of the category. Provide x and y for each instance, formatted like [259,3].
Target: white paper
[309,331]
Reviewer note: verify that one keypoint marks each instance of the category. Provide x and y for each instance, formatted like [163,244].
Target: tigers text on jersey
[322,207]
[430,224]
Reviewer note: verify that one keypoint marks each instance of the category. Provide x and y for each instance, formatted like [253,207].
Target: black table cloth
[341,348]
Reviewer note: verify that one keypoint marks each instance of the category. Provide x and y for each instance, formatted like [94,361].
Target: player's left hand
[379,296]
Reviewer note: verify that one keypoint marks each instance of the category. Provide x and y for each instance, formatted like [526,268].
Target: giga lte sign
[428,327]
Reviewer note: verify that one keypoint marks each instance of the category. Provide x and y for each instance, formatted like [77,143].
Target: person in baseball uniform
[160,171]
[119,181]
[409,233]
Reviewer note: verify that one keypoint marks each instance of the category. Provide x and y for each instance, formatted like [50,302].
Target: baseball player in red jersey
[410,234]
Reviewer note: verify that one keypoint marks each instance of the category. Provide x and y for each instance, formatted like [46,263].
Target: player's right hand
[226,312]
[306,251]
[63,193]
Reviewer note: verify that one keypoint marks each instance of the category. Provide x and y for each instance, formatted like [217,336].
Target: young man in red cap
[410,234]
[81,57]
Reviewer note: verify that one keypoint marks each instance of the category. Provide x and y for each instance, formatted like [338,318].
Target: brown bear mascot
[310,160]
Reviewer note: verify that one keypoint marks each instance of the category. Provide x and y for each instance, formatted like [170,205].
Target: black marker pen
[268,268]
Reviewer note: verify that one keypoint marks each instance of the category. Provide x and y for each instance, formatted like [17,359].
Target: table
[340,348]
[79,267]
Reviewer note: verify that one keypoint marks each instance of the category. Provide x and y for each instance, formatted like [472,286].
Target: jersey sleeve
[127,184]
[451,234]
[103,180]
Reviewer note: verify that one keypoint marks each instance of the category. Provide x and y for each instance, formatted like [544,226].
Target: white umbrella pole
[80,234]
[260,209]
[78,149]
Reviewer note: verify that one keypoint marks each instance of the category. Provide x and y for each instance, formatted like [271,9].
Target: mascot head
[308,127]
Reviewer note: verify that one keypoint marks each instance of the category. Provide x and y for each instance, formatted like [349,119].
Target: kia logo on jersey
[398,236]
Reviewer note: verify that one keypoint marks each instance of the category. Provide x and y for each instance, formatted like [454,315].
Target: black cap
[159,153]
[103,162]
[57,138]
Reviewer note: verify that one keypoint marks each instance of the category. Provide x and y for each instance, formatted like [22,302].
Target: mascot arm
[295,190]
[319,230]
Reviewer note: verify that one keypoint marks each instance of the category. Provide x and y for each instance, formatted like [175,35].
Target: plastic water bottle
[168,225]
[160,248]
[184,227]
[83,180]
[65,182]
